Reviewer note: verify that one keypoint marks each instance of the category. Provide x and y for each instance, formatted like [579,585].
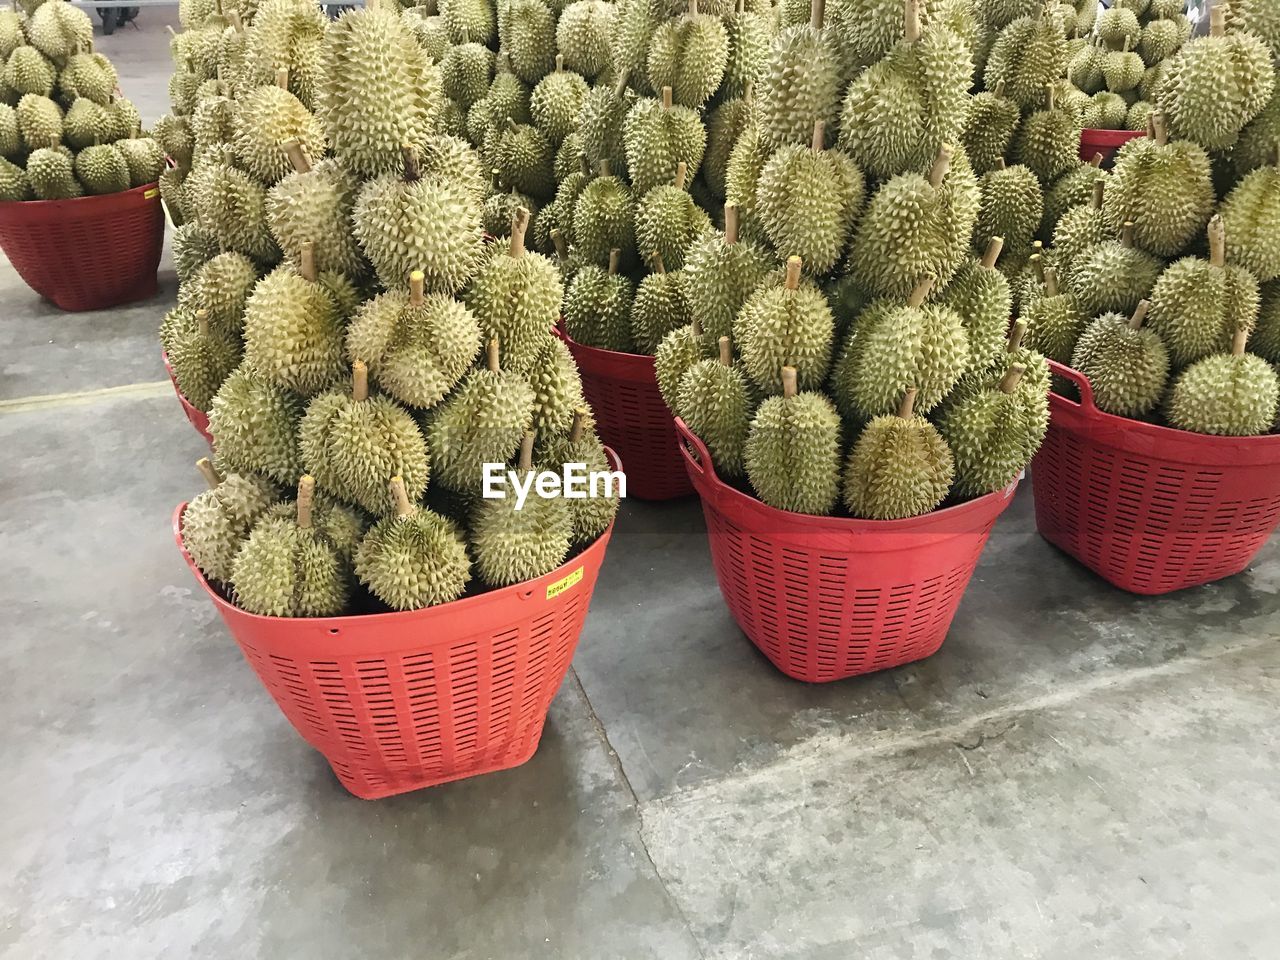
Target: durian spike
[794,264]
[208,471]
[417,285]
[999,91]
[526,451]
[920,293]
[906,409]
[1159,128]
[1238,342]
[819,136]
[1099,187]
[1016,335]
[558,241]
[236,21]
[730,223]
[202,322]
[559,63]
[1053,93]
[1140,315]
[579,424]
[615,255]
[491,356]
[666,98]
[401,497]
[297,156]
[726,352]
[659,265]
[1050,282]
[306,495]
[307,261]
[941,165]
[1037,264]
[1217,241]
[1126,234]
[519,224]
[412,172]
[992,253]
[911,18]
[682,171]
[282,78]
[1012,377]
[1096,160]
[789,388]
[605,168]
[1217,21]
[817,13]
[359,381]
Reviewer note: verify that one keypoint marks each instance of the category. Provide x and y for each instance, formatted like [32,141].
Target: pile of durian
[361,347]
[65,129]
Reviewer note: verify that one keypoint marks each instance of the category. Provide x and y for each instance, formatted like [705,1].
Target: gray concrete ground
[1078,773]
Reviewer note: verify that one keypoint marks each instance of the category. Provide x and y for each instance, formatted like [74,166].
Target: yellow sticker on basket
[564,583]
[150,193]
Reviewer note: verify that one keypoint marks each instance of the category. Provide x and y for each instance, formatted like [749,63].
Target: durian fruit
[416,347]
[1162,38]
[1084,70]
[255,426]
[604,217]
[193,247]
[314,205]
[288,568]
[786,326]
[1117,25]
[1122,69]
[725,124]
[125,116]
[808,200]
[11,35]
[714,402]
[500,207]
[1105,111]
[601,125]
[220,285]
[231,205]
[202,358]
[1257,144]
[1029,55]
[524,155]
[921,345]
[466,72]
[658,136]
[1113,276]
[379,91]
[1011,208]
[990,435]
[527,32]
[1234,394]
[792,453]
[679,350]
[1165,189]
[1198,305]
[58,29]
[1251,215]
[900,466]
[980,295]
[409,222]
[293,330]
[1126,364]
[514,544]
[28,72]
[1073,188]
[1054,320]
[629,48]
[1216,84]
[1266,335]
[101,169]
[991,120]
[661,304]
[742,172]
[40,120]
[291,35]
[88,75]
[10,133]
[414,558]
[352,442]
[268,117]
[84,124]
[143,158]
[591,515]
[474,19]
[1080,228]
[481,422]
[801,82]
[689,54]
[750,32]
[1049,140]
[668,222]
[14,184]
[215,523]
[721,272]
[557,101]
[557,388]
[516,296]
[175,136]
[597,306]
[583,35]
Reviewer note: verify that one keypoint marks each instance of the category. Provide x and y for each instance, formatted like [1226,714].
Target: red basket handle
[1079,379]
[694,450]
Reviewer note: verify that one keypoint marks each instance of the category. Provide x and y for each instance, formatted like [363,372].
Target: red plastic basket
[1149,508]
[826,598]
[401,701]
[197,417]
[1105,142]
[632,418]
[89,253]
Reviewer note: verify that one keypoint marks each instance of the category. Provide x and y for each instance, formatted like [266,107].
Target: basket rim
[564,335]
[50,206]
[1102,135]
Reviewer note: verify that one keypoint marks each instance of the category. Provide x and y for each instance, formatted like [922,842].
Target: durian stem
[693,8]
[1050,282]
[202,322]
[306,496]
[191,65]
[1001,164]
[561,245]
[1099,187]
[1000,89]
[412,172]
[920,293]
[1096,160]
[359,381]
[491,356]
[726,352]
[586,167]
[1238,342]
[1217,21]
[906,409]
[1159,128]
[208,472]
[659,265]
[789,387]
[1016,335]
[941,166]
[282,78]
[992,253]
[1012,377]
[740,7]
[666,98]
[526,451]
[401,497]
[615,255]
[620,87]
[730,223]
[1217,241]
[307,261]
[297,156]
[519,224]
[1140,315]
[819,136]
[1037,264]
[817,13]
[417,288]
[559,63]
[605,169]
[1052,96]
[794,265]
[682,172]
[1126,234]
[579,424]
[234,18]
[911,18]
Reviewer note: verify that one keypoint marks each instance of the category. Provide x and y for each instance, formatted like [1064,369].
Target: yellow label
[150,193]
[564,583]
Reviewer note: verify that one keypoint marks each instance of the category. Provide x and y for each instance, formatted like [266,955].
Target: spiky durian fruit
[143,158]
[1162,38]
[14,184]
[1084,70]
[447,156]
[721,272]
[1127,365]
[742,173]
[714,402]
[416,347]
[1070,190]
[557,101]
[1054,320]
[915,226]
[689,54]
[1123,70]
[11,35]
[679,350]
[1080,228]
[591,515]
[792,453]
[808,200]
[980,295]
[1234,395]
[28,72]
[800,83]
[40,120]
[1117,25]
[216,522]
[1266,335]
[1257,144]
[293,330]
[749,31]
[668,222]
[373,68]
[990,122]
[597,306]
[601,123]
[604,218]
[583,35]
[414,558]
[629,48]
[1198,305]
[991,435]
[1215,85]
[557,388]
[342,524]
[789,325]
[254,427]
[500,207]
[466,72]
[314,204]
[268,117]
[1029,55]
[527,32]
[232,206]
[524,155]
[1113,276]
[193,247]
[1251,215]
[661,304]
[1105,111]
[1011,208]
[725,124]
[516,296]
[469,19]
[85,124]
[220,286]
[125,116]
[288,568]
[289,34]
[1049,140]
[406,222]
[10,133]
[58,29]
[900,466]
[101,169]
[88,75]
[202,358]
[657,136]
[480,422]
[175,136]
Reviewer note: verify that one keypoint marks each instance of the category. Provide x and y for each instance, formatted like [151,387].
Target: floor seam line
[81,397]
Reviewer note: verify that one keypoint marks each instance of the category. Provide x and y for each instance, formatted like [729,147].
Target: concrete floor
[1078,773]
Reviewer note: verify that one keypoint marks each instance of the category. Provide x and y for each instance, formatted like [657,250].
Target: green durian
[451,158]
[557,388]
[202,358]
[1234,394]
[990,122]
[604,218]
[1257,144]
[557,101]
[508,95]
[1048,141]
[342,524]
[1126,364]
[499,208]
[1073,188]
[1123,70]
[1084,70]
[900,466]
[314,205]
[14,184]
[721,272]
[40,120]
[268,117]
[725,124]
[88,75]
[602,120]
[11,35]
[657,137]
[11,146]
[183,87]
[668,222]
[629,48]
[101,169]
[217,522]
[679,350]
[1054,321]
[524,155]
[801,82]
[1105,111]
[597,307]
[592,515]
[86,123]
[469,19]
[143,158]
[788,325]
[714,400]
[583,36]
[221,285]
[193,247]
[1266,335]
[689,54]
[1011,208]
[466,72]
[661,304]
[1029,55]
[1117,25]
[991,435]
[175,137]
[979,294]
[792,453]
[232,206]
[290,35]
[58,29]
[1251,214]
[742,173]
[28,72]
[255,427]
[1080,228]
[293,331]
[1162,38]
[527,32]
[749,32]
[1113,276]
